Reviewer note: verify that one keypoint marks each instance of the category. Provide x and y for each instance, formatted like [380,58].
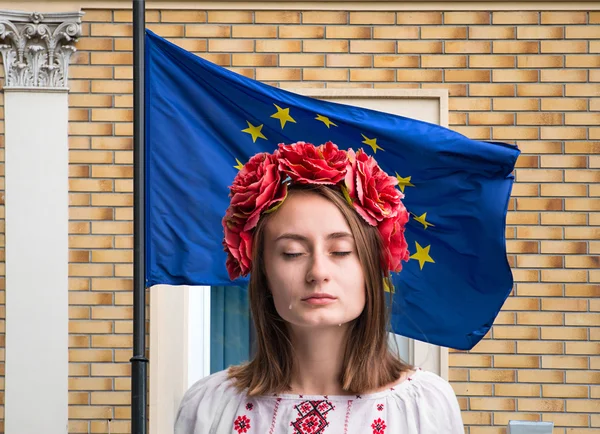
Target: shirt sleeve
[428,406]
[207,402]
[437,407]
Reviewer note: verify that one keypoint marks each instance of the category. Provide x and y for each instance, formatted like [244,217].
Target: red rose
[307,164]
[392,234]
[256,188]
[238,245]
[372,191]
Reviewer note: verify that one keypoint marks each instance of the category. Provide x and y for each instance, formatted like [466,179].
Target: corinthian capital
[36,48]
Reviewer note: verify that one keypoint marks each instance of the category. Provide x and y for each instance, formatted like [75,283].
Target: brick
[522,218]
[372,75]
[540,32]
[410,17]
[514,133]
[564,333]
[124,101]
[517,390]
[491,118]
[400,61]
[517,47]
[467,360]
[325,74]
[530,404]
[540,347]
[582,233]
[90,185]
[232,45]
[514,76]
[562,133]
[230,17]
[123,73]
[564,275]
[78,115]
[539,261]
[90,213]
[468,47]
[491,32]
[82,71]
[443,32]
[112,228]
[512,332]
[570,420]
[491,61]
[477,418]
[324,17]
[112,312]
[277,17]
[302,60]
[371,18]
[539,118]
[539,376]
[348,60]
[112,341]
[207,31]
[254,59]
[539,90]
[583,405]
[582,119]
[87,412]
[492,375]
[498,404]
[89,100]
[418,47]
[563,46]
[418,75]
[582,262]
[327,46]
[124,242]
[564,362]
[110,398]
[590,176]
[515,104]
[123,44]
[88,355]
[470,18]
[114,86]
[193,45]
[540,61]
[368,46]
[444,61]
[254,31]
[216,58]
[126,16]
[491,89]
[111,29]
[112,256]
[487,346]
[563,17]
[467,75]
[583,377]
[112,171]
[278,74]
[113,143]
[396,32]
[470,104]
[563,219]
[565,161]
[124,270]
[563,247]
[91,129]
[582,61]
[352,32]
[514,361]
[124,185]
[562,76]
[540,318]
[117,115]
[188,16]
[301,32]
[583,348]
[521,17]
[472,389]
[562,105]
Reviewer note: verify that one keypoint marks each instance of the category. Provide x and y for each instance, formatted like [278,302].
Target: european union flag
[203,122]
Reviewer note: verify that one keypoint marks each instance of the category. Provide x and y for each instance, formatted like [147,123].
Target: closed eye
[342,253]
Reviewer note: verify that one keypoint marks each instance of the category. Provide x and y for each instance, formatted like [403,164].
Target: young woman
[318,229]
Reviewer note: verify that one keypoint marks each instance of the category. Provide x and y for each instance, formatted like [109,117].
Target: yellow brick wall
[525,77]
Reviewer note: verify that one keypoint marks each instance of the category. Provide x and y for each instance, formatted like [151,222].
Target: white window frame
[180,315]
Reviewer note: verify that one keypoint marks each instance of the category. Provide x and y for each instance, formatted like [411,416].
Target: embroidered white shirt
[422,404]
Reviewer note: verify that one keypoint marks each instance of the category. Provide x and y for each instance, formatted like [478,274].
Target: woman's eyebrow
[298,237]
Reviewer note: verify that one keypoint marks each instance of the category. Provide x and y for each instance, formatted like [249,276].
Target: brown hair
[368,361]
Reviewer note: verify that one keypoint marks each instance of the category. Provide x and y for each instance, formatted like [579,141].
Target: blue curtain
[230,327]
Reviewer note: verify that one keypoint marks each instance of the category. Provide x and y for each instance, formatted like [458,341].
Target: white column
[37,217]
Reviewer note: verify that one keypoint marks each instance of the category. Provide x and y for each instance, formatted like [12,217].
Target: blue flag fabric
[203,120]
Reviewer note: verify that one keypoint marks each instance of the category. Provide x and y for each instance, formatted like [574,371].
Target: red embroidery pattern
[379,407]
[249,406]
[277,402]
[347,420]
[378,426]
[241,424]
[312,417]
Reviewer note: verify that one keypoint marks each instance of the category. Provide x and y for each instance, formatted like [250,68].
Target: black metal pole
[139,362]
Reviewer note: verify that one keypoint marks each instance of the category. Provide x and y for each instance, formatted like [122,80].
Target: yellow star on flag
[283,114]
[422,255]
[403,182]
[254,131]
[239,165]
[421,219]
[372,143]
[325,120]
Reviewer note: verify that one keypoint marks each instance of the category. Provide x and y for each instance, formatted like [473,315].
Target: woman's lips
[319,300]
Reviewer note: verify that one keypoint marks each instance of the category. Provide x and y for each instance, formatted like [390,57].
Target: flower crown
[261,186]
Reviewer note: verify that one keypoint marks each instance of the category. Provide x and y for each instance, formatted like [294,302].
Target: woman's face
[312,264]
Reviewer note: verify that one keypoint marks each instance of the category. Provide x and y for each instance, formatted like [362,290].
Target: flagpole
[139,362]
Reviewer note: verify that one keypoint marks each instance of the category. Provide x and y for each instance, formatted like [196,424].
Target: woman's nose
[318,270]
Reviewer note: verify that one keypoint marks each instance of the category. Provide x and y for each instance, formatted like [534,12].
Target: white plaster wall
[36,389]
